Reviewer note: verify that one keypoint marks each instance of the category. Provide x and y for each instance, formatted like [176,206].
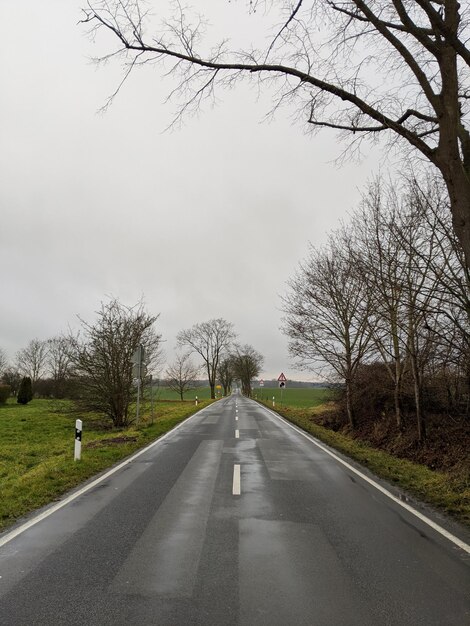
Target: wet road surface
[235,518]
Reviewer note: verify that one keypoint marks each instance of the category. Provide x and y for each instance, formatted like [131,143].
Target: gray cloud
[207,221]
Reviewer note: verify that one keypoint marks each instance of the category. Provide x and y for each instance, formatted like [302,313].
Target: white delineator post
[274,403]
[196,400]
[78,440]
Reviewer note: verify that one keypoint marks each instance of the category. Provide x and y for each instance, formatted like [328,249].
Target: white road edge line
[236,487]
[442,531]
[55,507]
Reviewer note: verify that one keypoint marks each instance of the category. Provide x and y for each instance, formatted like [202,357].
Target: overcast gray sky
[208,221]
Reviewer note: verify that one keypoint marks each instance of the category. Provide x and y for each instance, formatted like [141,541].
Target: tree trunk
[397,395]
[458,185]
[212,386]
[420,421]
[454,138]
[349,406]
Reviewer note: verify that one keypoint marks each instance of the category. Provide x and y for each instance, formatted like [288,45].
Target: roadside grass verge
[37,444]
[447,492]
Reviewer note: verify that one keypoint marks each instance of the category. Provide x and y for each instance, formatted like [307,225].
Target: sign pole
[138,403]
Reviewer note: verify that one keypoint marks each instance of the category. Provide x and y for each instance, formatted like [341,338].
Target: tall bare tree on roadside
[226,374]
[102,357]
[210,340]
[446,288]
[247,363]
[376,255]
[327,314]
[399,68]
[31,361]
[181,375]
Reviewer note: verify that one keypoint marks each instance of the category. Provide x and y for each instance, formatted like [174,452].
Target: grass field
[165,393]
[37,445]
[296,397]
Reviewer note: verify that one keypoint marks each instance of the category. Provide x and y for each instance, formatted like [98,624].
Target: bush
[25,393]
[5,391]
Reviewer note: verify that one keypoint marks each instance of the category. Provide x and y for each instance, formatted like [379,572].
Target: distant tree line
[223,359]
[384,307]
[95,366]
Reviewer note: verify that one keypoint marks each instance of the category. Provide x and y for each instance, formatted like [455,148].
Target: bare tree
[12,377]
[327,314]
[210,340]
[59,363]
[395,248]
[3,361]
[31,361]
[446,290]
[247,363]
[362,67]
[102,357]
[181,375]
[226,374]
[376,255]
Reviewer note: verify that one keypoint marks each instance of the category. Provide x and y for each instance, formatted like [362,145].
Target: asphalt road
[235,518]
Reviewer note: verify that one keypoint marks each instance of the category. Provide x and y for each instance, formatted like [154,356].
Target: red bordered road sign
[282,378]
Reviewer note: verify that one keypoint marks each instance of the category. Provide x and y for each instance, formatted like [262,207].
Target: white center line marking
[236,489]
[236,418]
[237,434]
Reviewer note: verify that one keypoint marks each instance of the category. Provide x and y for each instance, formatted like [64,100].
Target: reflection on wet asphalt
[168,540]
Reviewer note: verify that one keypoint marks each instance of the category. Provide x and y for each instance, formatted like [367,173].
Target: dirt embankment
[446,448]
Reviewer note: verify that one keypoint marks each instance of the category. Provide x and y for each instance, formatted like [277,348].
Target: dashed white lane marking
[236,487]
[236,418]
[237,434]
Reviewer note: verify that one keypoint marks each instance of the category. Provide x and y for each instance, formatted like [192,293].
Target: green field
[165,393]
[296,397]
[37,447]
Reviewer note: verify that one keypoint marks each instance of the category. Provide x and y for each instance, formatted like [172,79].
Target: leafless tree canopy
[226,374]
[394,297]
[59,363]
[210,340]
[247,363]
[3,361]
[181,375]
[328,313]
[102,357]
[31,361]
[362,67]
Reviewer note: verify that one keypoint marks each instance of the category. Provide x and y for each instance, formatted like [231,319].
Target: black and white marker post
[78,440]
